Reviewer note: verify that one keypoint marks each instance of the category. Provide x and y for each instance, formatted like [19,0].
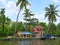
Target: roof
[26,33]
[19,32]
[35,30]
[38,29]
[39,26]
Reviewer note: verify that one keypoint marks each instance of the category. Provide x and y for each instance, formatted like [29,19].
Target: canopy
[26,33]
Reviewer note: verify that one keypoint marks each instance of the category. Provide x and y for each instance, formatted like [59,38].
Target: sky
[37,7]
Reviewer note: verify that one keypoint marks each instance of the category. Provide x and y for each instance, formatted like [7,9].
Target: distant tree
[27,15]
[20,26]
[27,18]
[58,29]
[2,13]
[4,23]
[8,20]
[53,29]
[34,22]
[13,26]
[43,25]
[58,26]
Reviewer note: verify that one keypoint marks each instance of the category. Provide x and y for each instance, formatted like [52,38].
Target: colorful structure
[23,34]
[38,31]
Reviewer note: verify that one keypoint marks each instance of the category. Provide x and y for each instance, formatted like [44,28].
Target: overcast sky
[37,7]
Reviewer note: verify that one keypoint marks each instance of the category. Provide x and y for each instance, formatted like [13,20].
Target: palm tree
[22,3]
[34,21]
[27,17]
[28,14]
[51,13]
[2,17]
[8,21]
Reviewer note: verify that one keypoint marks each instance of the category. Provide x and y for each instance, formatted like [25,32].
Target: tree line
[8,27]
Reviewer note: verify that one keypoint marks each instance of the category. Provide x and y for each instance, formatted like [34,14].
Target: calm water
[31,42]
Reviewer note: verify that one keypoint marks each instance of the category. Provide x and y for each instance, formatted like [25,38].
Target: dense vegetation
[8,27]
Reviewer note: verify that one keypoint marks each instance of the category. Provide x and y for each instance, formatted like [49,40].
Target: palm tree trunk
[48,28]
[16,23]
[2,22]
[2,26]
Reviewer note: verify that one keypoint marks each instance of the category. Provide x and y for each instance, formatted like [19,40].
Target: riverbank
[31,42]
[18,39]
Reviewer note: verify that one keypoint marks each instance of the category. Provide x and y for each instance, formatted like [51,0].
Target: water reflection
[31,42]
[25,42]
[37,42]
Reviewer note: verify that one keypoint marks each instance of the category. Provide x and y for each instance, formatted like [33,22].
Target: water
[31,42]
[25,42]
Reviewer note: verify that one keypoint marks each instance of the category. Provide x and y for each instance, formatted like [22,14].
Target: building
[23,34]
[38,31]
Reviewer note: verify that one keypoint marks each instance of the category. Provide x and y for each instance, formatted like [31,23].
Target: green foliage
[27,18]
[51,13]
[30,22]
[58,29]
[22,3]
[58,26]
[52,29]
[20,26]
[7,27]
[43,25]
[4,24]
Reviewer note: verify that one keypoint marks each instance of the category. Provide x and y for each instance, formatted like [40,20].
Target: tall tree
[2,17]
[8,20]
[4,23]
[28,14]
[51,13]
[22,3]
[27,17]
[34,22]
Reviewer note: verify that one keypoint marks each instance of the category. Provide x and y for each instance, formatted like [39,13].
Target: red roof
[38,27]
[36,30]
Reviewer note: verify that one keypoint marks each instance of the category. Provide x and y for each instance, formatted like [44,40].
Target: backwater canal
[31,42]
